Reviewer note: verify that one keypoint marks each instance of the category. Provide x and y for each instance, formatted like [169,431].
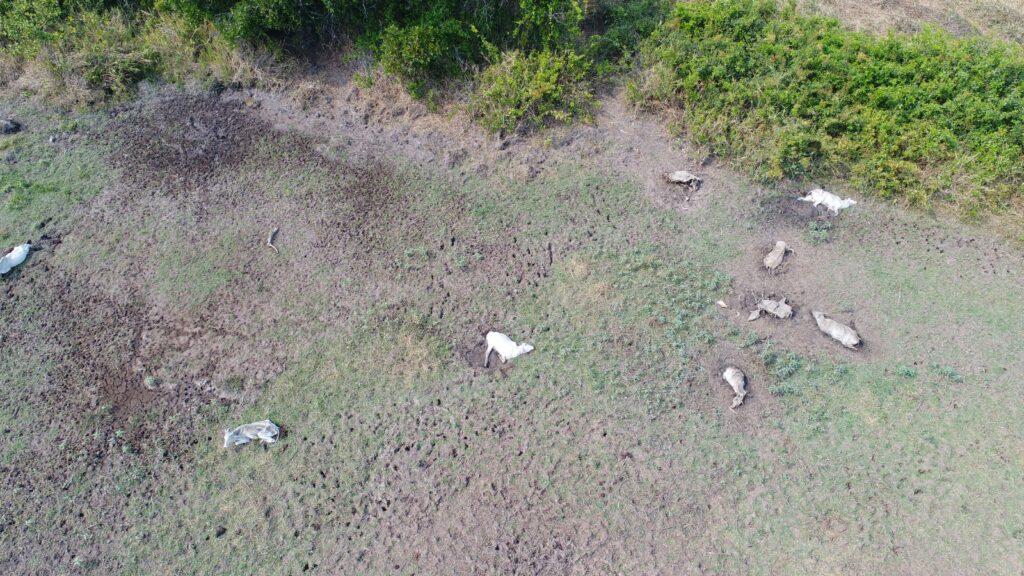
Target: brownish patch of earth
[163,303]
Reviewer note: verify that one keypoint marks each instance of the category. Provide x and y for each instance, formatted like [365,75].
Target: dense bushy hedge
[792,96]
[908,116]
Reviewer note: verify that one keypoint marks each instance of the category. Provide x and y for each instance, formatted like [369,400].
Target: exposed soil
[123,329]
[758,403]
[147,351]
[790,211]
[176,143]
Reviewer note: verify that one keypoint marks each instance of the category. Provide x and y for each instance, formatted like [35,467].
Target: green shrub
[102,49]
[524,91]
[548,24]
[623,25]
[906,116]
[429,50]
[25,25]
[269,20]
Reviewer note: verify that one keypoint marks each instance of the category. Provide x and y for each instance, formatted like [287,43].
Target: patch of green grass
[413,259]
[190,274]
[750,340]
[819,232]
[783,389]
[791,96]
[41,182]
[782,365]
[905,371]
[947,372]
[233,385]
[363,80]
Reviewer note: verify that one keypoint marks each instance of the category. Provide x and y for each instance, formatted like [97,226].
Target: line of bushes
[532,58]
[789,96]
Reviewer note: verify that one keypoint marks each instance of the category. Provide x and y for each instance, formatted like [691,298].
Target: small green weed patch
[39,181]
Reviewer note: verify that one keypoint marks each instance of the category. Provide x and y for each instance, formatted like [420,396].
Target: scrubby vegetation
[905,116]
[910,117]
[95,49]
[529,89]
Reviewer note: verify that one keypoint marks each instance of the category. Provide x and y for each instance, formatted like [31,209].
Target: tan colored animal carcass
[777,308]
[840,332]
[738,381]
[774,258]
[264,430]
[686,179]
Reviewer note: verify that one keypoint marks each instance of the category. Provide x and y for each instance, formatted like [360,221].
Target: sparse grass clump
[906,372]
[783,365]
[947,372]
[819,232]
[909,117]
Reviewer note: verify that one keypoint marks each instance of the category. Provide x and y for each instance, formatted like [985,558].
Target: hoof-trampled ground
[154,316]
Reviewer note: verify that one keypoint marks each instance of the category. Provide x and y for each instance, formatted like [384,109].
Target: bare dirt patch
[757,405]
[799,280]
[176,141]
[786,210]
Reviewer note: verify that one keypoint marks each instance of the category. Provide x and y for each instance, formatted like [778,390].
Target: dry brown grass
[998,18]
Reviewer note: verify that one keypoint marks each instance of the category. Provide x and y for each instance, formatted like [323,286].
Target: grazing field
[152,316]
[995,18]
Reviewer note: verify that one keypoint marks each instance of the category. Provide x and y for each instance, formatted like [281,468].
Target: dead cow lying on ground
[685,179]
[264,430]
[737,380]
[506,348]
[830,200]
[842,333]
[774,258]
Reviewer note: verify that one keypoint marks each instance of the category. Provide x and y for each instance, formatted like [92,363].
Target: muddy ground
[156,307]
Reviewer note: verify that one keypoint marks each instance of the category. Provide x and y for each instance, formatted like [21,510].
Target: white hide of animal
[14,257]
[506,348]
[842,333]
[774,258]
[738,381]
[264,430]
[830,200]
